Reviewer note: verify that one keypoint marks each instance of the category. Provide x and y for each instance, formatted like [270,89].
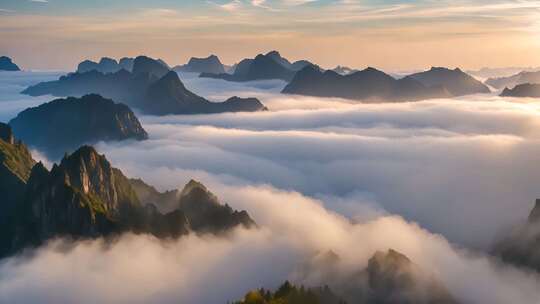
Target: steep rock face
[15,167]
[522,90]
[143,89]
[457,82]
[6,64]
[514,80]
[210,64]
[369,85]
[65,124]
[522,246]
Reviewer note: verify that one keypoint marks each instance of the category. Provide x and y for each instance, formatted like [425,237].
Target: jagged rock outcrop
[210,64]
[151,88]
[62,125]
[369,85]
[514,80]
[6,64]
[84,196]
[262,67]
[521,247]
[522,90]
[457,82]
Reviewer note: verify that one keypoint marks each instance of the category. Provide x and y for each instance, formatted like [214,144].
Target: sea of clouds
[439,181]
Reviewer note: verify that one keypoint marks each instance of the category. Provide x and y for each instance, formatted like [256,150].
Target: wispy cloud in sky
[495,33]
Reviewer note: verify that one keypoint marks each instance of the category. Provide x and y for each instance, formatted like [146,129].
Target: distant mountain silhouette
[150,87]
[65,124]
[523,90]
[106,65]
[369,85]
[147,65]
[168,95]
[372,85]
[514,80]
[457,82]
[84,196]
[262,67]
[210,64]
[6,64]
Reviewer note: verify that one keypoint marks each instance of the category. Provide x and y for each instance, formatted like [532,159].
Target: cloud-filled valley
[438,180]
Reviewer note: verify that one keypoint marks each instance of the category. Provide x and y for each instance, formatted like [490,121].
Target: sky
[391,35]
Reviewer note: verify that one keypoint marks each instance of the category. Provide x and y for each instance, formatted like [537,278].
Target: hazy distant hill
[65,124]
[6,64]
[514,80]
[523,90]
[263,67]
[372,85]
[522,245]
[369,85]
[389,278]
[210,64]
[150,87]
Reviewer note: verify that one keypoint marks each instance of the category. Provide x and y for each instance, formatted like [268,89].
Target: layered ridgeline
[372,85]
[522,246]
[210,64]
[150,87]
[85,197]
[106,65]
[263,67]
[63,125]
[514,80]
[523,90]
[390,277]
[6,64]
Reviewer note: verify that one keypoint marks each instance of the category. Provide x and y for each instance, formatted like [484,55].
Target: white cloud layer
[412,176]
